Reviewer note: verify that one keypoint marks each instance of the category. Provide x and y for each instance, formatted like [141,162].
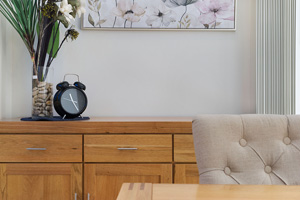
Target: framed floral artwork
[160,15]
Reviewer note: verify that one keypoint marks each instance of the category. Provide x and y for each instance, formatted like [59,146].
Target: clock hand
[73,102]
[69,100]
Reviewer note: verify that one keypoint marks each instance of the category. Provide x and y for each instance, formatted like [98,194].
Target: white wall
[152,73]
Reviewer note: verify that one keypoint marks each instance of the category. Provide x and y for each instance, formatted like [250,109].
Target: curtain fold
[275,67]
[1,62]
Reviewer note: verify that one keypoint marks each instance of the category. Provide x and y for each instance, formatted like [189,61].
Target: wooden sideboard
[90,160]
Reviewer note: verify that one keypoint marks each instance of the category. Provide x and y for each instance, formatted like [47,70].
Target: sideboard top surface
[101,125]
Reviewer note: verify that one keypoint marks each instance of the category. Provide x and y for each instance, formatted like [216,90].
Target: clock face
[73,101]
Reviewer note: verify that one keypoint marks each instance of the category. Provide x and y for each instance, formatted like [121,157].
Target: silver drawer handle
[127,148]
[89,196]
[36,149]
[75,196]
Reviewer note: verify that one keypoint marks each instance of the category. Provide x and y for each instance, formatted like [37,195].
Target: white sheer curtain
[275,68]
[1,63]
[6,45]
[298,57]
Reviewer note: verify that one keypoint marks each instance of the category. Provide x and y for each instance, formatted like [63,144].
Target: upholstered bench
[248,149]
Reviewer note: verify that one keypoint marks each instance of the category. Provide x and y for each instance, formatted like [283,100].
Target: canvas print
[160,14]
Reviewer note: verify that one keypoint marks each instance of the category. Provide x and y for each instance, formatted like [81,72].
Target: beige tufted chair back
[248,149]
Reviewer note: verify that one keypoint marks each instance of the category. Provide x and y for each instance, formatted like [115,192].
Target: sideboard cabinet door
[186,174]
[104,181]
[40,181]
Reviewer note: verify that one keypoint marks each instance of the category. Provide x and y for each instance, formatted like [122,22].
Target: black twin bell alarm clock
[70,101]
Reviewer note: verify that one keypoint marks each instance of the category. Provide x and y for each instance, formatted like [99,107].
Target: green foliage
[22,15]
[50,10]
[63,20]
[55,43]
[73,34]
[55,35]
[31,18]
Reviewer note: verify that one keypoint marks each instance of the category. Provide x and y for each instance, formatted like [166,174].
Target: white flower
[66,9]
[81,8]
[161,16]
[129,11]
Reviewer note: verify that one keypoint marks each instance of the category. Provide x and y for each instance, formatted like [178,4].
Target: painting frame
[83,27]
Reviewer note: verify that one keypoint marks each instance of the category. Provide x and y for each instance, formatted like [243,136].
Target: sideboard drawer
[184,148]
[128,148]
[40,148]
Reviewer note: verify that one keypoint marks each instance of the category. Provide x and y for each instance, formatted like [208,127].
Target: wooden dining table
[148,191]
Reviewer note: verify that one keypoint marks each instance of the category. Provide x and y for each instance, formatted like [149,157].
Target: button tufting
[243,142]
[227,171]
[287,140]
[268,169]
